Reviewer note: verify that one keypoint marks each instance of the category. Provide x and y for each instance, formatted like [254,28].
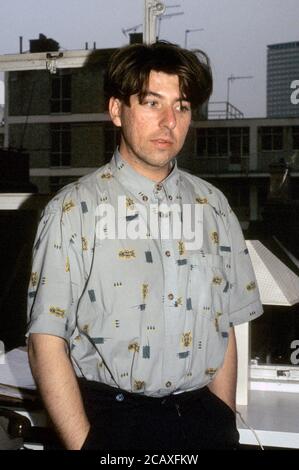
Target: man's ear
[115,111]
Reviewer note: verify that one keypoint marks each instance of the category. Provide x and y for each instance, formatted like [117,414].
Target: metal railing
[223,110]
[267,158]
[225,165]
[217,165]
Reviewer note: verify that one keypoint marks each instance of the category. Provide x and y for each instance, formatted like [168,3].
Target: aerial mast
[152,9]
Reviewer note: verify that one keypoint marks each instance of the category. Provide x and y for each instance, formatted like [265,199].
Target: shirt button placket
[171,289]
[167,247]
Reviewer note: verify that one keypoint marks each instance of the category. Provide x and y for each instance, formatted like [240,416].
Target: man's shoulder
[203,188]
[82,192]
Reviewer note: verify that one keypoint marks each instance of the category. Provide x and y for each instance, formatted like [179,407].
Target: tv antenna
[133,29]
[167,16]
[188,31]
[164,17]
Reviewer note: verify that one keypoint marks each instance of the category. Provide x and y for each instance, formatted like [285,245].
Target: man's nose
[168,118]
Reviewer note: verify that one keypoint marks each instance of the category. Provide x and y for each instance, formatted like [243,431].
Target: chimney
[43,44]
[136,38]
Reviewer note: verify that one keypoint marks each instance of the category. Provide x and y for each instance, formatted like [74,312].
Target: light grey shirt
[141,306]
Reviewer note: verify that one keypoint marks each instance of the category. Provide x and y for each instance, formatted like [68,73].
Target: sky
[235,34]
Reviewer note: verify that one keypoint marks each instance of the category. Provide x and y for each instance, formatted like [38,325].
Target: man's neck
[151,172]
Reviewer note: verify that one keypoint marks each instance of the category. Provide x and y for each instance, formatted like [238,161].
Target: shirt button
[170,296]
[170,198]
[120,397]
[158,187]
[167,253]
[144,198]
[168,384]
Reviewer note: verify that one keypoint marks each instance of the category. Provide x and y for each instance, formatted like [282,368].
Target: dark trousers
[126,421]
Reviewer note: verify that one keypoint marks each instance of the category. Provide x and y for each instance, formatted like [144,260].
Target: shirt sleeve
[245,303]
[55,278]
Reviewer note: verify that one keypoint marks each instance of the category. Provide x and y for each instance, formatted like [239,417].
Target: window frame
[221,137]
[62,154]
[61,97]
[272,133]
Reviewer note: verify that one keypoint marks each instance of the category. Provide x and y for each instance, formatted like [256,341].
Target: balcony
[217,165]
[266,158]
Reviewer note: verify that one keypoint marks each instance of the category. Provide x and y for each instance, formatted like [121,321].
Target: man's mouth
[162,142]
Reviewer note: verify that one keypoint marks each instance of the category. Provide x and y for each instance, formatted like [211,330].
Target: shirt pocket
[209,288]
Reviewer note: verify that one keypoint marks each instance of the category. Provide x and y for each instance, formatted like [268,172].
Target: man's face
[153,131]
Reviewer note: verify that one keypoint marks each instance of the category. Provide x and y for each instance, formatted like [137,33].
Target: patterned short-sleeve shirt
[117,274]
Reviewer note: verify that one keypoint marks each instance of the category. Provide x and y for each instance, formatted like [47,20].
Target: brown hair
[129,68]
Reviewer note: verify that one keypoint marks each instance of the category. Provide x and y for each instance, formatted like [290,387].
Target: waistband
[120,394]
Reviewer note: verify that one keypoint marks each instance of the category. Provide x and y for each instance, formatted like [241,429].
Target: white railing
[17,201]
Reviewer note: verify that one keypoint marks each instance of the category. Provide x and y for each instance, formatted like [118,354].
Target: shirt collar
[144,189]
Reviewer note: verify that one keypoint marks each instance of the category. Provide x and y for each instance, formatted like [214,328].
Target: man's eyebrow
[153,93]
[158,95]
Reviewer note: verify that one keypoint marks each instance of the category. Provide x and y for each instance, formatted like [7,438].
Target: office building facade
[282,75]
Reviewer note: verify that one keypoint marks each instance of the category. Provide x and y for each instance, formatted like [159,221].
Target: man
[131,319]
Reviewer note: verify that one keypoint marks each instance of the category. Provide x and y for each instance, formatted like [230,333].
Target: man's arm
[58,386]
[224,384]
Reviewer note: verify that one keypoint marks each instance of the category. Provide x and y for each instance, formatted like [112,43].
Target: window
[58,182]
[295,137]
[17,232]
[201,142]
[60,145]
[212,142]
[275,335]
[238,194]
[61,92]
[238,143]
[223,142]
[271,138]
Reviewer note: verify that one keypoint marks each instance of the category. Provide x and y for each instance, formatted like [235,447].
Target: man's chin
[160,160]
[160,165]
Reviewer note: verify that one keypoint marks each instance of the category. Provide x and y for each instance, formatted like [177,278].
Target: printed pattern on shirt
[149,315]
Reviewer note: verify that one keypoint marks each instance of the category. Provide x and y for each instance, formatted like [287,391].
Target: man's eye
[151,103]
[184,108]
